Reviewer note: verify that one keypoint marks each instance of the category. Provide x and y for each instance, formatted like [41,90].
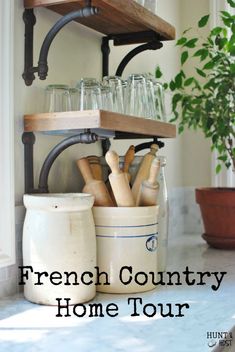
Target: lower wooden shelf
[123,126]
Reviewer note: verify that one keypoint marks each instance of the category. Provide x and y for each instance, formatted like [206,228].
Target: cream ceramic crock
[59,235]
[126,237]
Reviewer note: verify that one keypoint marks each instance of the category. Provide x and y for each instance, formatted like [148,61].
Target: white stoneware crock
[126,237]
[59,235]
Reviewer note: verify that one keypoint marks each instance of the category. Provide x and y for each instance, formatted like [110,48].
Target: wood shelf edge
[134,14]
[97,119]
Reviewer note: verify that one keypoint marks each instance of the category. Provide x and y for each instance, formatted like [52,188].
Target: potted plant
[206,101]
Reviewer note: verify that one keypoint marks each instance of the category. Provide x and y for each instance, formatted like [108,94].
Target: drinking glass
[74,96]
[115,85]
[136,98]
[89,92]
[107,98]
[57,98]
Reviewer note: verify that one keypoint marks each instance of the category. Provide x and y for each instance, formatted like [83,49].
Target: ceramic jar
[126,237]
[163,214]
[59,236]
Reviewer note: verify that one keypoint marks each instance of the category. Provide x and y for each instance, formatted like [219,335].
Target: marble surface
[26,327]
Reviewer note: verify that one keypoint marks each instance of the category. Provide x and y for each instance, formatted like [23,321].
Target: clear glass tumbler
[74,96]
[89,91]
[116,86]
[107,98]
[57,98]
[136,98]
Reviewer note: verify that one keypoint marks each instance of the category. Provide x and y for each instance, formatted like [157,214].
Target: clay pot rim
[216,196]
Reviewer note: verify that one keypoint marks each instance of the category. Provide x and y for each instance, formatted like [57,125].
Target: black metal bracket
[153,43]
[28,139]
[30,20]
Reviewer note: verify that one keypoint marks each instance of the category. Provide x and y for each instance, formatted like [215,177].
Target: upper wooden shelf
[116,16]
[123,125]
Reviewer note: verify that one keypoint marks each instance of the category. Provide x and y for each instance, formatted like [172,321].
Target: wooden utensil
[119,182]
[149,189]
[95,166]
[95,187]
[128,159]
[143,172]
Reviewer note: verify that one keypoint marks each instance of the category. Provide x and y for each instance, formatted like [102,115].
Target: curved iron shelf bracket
[153,45]
[30,21]
[86,138]
[28,139]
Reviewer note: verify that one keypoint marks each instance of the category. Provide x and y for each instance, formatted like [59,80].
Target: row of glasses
[141,95]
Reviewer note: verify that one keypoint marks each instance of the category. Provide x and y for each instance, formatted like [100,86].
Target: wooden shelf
[116,16]
[123,125]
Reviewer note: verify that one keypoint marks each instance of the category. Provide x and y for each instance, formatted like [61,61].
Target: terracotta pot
[218,213]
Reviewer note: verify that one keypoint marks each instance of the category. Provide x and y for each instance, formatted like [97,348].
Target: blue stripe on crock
[124,227]
[131,236]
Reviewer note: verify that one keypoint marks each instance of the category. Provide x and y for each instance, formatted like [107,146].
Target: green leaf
[221,42]
[203,21]
[218,169]
[233,28]
[200,72]
[209,65]
[227,21]
[176,98]
[203,53]
[228,164]
[216,30]
[188,81]
[181,129]
[172,85]
[225,13]
[223,158]
[181,41]
[231,3]
[158,72]
[178,80]
[191,43]
[184,57]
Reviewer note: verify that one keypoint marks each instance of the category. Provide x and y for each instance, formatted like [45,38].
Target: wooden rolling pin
[95,166]
[143,172]
[95,187]
[119,182]
[128,159]
[148,192]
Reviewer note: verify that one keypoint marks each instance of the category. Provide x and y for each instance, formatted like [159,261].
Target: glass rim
[57,86]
